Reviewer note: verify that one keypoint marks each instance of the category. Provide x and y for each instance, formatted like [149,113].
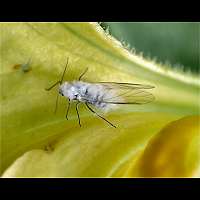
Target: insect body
[24,67]
[91,93]
[102,95]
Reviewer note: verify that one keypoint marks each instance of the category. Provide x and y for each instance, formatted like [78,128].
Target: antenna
[58,82]
[61,80]
[64,71]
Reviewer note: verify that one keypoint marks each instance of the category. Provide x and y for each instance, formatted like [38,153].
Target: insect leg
[79,121]
[68,109]
[99,115]
[83,74]
[56,104]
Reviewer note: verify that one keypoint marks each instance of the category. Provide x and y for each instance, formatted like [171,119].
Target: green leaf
[27,118]
[176,43]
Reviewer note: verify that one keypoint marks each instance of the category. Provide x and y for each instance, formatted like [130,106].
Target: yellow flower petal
[174,152]
[94,150]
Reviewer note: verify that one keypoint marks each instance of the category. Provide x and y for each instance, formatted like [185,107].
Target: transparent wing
[126,85]
[126,93]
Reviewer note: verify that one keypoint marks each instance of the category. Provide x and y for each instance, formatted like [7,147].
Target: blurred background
[174,43]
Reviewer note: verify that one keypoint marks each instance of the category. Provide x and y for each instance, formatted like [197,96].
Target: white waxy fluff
[89,92]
